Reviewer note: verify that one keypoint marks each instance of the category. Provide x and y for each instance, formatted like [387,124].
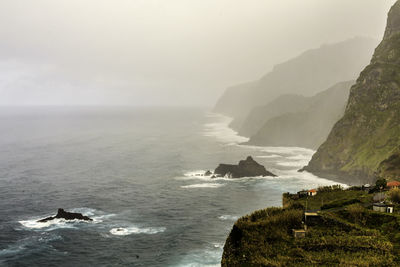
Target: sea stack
[246,168]
[62,214]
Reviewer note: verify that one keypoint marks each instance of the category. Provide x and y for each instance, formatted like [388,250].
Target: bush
[296,206]
[330,188]
[380,184]
[356,212]
[394,195]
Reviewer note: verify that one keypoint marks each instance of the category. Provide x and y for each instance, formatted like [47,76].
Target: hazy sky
[161,52]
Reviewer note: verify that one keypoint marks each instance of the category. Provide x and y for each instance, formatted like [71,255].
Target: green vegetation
[394,195]
[346,235]
[335,198]
[365,143]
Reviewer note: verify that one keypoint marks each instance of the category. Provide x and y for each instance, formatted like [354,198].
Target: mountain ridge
[364,144]
[306,74]
[307,122]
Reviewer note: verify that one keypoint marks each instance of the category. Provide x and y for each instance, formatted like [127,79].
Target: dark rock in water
[245,168]
[208,173]
[62,214]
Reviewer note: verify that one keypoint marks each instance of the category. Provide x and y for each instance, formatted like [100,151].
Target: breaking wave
[96,216]
[136,230]
[204,185]
[228,217]
[220,130]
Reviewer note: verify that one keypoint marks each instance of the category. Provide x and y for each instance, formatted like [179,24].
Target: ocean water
[138,174]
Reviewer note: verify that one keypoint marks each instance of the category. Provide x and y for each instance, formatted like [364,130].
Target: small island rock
[62,214]
[245,168]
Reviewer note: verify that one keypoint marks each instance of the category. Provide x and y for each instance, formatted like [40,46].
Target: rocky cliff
[365,143]
[307,74]
[307,122]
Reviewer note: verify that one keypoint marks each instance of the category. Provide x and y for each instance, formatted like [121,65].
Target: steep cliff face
[365,143]
[310,124]
[307,74]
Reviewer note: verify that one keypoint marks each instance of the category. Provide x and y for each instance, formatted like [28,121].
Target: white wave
[101,218]
[204,185]
[49,225]
[192,176]
[303,157]
[300,163]
[199,174]
[136,230]
[218,245]
[281,150]
[269,156]
[221,131]
[62,223]
[288,150]
[228,217]
[294,181]
[209,257]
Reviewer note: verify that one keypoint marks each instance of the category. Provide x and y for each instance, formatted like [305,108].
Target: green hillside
[346,232]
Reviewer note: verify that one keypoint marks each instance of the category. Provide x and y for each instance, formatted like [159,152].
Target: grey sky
[161,52]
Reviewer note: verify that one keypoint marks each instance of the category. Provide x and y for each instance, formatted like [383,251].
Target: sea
[139,174]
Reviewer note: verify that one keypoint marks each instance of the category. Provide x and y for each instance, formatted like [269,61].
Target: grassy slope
[350,236]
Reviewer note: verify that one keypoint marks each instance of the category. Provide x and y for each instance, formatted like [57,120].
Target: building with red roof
[312,192]
[393,184]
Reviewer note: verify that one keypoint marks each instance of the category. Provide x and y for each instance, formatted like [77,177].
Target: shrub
[380,183]
[296,206]
[356,212]
[394,195]
[330,188]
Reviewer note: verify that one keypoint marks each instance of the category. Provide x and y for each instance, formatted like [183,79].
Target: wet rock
[245,168]
[62,214]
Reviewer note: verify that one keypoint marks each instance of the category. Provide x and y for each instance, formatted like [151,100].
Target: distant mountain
[260,115]
[306,75]
[365,144]
[308,120]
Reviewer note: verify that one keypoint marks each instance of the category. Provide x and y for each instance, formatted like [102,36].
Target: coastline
[300,156]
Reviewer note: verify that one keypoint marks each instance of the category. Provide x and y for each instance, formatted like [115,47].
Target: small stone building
[382,207]
[312,218]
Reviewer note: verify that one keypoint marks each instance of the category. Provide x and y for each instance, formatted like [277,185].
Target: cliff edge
[365,144]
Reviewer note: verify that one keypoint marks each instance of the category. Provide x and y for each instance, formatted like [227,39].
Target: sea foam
[136,230]
[228,217]
[221,131]
[57,223]
[204,185]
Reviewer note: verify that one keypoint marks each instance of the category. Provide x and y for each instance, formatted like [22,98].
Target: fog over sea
[137,173]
